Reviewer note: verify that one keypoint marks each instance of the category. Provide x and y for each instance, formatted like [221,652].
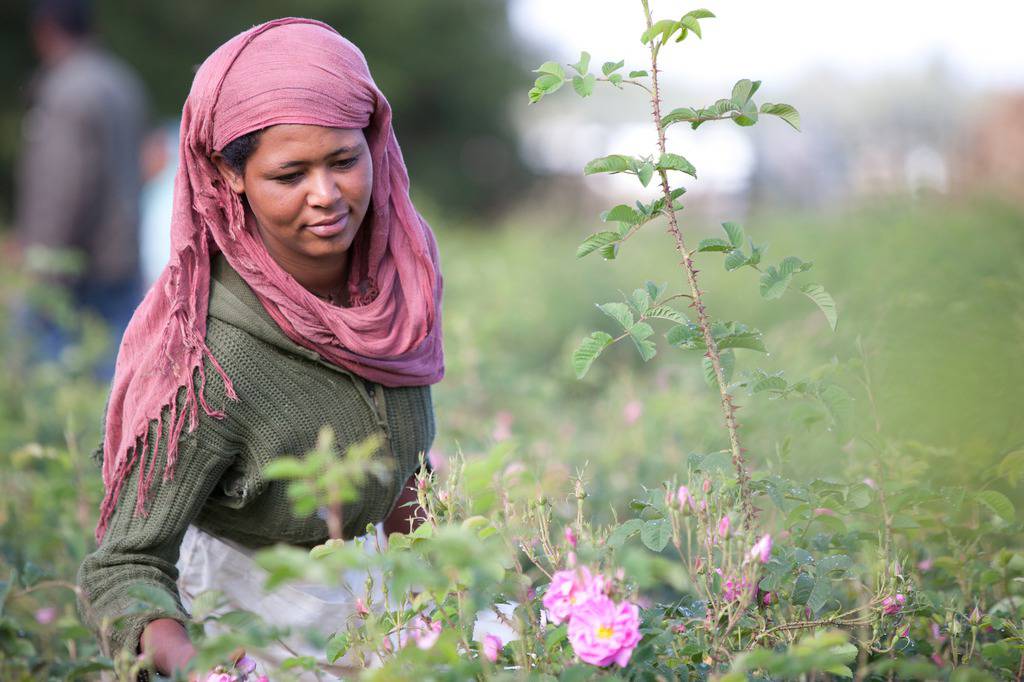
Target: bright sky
[777,40]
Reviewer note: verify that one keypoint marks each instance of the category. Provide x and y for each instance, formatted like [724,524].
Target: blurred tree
[448,67]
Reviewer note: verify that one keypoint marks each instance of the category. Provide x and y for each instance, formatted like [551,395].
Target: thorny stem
[728,407]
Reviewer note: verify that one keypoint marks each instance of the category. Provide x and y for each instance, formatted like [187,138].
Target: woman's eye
[346,163]
[288,179]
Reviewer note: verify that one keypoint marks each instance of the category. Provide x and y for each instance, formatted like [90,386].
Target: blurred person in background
[80,174]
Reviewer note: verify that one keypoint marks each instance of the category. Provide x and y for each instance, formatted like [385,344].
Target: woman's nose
[324,190]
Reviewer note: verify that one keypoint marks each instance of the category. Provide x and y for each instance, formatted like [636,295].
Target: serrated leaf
[839,404]
[624,531]
[774,283]
[820,594]
[583,65]
[768,383]
[747,115]
[584,85]
[690,22]
[728,361]
[837,562]
[665,27]
[793,265]
[152,597]
[610,251]
[613,163]
[596,241]
[1011,467]
[616,80]
[802,589]
[735,260]
[743,90]
[714,244]
[608,67]
[637,74]
[619,312]
[1000,504]
[641,300]
[338,646]
[645,173]
[664,312]
[548,83]
[551,68]
[677,115]
[622,214]
[686,336]
[639,333]
[736,234]
[784,111]
[824,301]
[587,352]
[669,161]
[656,534]
[655,290]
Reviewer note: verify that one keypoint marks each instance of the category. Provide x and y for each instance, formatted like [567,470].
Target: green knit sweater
[286,393]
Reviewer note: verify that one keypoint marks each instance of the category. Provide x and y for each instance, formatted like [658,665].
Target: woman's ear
[231,176]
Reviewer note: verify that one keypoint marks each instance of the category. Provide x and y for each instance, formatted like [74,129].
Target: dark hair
[74,17]
[238,151]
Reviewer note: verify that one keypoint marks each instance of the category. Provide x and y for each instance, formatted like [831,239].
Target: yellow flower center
[604,632]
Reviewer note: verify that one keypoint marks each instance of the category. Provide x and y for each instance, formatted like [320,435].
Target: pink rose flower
[762,549]
[492,646]
[602,633]
[734,588]
[570,537]
[361,608]
[893,605]
[422,631]
[245,665]
[685,498]
[925,565]
[632,411]
[570,589]
[221,677]
[46,615]
[723,527]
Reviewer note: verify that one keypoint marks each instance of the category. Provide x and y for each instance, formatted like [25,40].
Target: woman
[303,290]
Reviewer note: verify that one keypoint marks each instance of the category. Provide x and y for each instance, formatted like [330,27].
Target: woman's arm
[167,643]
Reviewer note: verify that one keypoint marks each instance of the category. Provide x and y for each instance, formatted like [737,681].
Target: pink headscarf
[284,71]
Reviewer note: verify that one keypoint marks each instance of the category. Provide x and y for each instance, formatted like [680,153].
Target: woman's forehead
[310,142]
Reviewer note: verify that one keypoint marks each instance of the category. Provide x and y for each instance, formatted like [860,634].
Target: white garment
[207,562]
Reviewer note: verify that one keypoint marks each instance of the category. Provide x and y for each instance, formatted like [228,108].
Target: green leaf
[656,534]
[655,290]
[802,590]
[824,301]
[686,336]
[690,22]
[669,161]
[584,85]
[337,646]
[728,360]
[645,172]
[624,531]
[735,260]
[547,83]
[774,283]
[768,383]
[616,80]
[747,115]
[284,468]
[641,300]
[744,90]
[152,597]
[608,67]
[997,502]
[639,333]
[609,251]
[664,312]
[583,65]
[783,111]
[552,68]
[735,232]
[619,312]
[637,74]
[665,27]
[714,244]
[700,14]
[596,241]
[737,335]
[1011,467]
[793,265]
[588,351]
[614,163]
[622,214]
[839,404]
[677,115]
[556,637]
[821,593]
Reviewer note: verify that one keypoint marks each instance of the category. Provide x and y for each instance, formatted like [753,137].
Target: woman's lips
[331,229]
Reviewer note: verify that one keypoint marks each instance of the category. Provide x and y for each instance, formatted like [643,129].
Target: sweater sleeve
[142,550]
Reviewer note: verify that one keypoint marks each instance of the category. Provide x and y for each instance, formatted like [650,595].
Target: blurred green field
[934,290]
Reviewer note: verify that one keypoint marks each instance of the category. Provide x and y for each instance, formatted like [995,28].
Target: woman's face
[309,189]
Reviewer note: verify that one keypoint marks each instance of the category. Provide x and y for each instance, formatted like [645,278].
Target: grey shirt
[80,172]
